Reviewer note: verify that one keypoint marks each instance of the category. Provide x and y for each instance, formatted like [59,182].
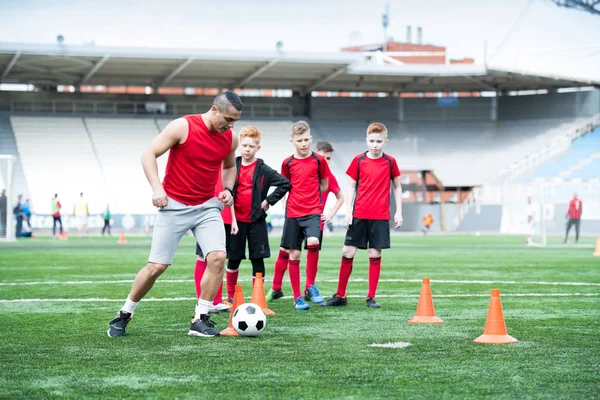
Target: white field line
[475,282]
[390,296]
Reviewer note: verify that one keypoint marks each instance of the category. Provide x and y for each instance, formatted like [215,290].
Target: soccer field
[56,299]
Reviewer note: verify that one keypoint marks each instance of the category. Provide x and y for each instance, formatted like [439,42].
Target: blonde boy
[368,217]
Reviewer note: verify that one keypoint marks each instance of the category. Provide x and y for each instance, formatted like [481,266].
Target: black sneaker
[118,324]
[372,303]
[203,326]
[335,301]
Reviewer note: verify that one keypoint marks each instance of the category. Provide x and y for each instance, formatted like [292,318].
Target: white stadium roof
[303,72]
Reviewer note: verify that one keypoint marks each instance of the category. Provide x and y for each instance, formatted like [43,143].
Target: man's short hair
[251,132]
[300,128]
[228,98]
[377,127]
[324,146]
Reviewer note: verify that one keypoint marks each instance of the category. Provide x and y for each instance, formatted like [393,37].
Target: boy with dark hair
[308,173]
[253,180]
[368,217]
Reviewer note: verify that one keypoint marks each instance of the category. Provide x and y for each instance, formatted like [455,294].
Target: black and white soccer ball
[249,320]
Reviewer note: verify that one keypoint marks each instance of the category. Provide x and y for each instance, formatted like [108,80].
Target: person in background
[17,211]
[427,221]
[3,212]
[106,218]
[81,212]
[26,210]
[55,206]
[574,215]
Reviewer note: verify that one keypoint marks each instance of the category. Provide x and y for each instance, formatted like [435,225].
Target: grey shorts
[175,219]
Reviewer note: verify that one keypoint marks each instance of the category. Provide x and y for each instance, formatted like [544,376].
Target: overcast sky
[532,35]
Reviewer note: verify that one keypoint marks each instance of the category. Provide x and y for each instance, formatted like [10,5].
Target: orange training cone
[425,310]
[495,328]
[63,235]
[597,250]
[258,294]
[238,300]
[122,239]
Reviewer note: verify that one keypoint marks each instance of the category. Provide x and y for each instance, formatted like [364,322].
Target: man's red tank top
[193,168]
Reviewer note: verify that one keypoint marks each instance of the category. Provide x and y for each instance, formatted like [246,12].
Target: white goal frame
[10,231]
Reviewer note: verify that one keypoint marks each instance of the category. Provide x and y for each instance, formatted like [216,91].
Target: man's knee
[216,260]
[156,270]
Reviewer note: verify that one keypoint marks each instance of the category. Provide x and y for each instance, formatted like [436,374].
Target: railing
[107,107]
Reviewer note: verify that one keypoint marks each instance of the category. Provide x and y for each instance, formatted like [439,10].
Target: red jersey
[575,207]
[193,167]
[305,175]
[226,213]
[332,187]
[243,193]
[373,181]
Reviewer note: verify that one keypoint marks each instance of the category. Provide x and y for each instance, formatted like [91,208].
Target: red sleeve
[352,170]
[324,170]
[333,184]
[58,204]
[285,171]
[395,169]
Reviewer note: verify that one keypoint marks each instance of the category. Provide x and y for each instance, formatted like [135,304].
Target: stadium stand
[8,145]
[58,157]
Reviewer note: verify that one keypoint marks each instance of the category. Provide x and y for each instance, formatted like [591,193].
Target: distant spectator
[3,212]
[106,218]
[26,210]
[574,215]
[427,221]
[81,212]
[269,223]
[55,206]
[17,211]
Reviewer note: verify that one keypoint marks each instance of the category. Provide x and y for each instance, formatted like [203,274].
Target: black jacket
[264,177]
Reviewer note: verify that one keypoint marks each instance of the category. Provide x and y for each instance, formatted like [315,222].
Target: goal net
[7,231]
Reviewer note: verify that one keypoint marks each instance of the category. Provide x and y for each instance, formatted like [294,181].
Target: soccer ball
[249,320]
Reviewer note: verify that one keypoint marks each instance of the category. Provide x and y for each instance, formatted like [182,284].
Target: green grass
[60,349]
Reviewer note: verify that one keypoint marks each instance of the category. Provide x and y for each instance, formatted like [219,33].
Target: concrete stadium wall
[552,105]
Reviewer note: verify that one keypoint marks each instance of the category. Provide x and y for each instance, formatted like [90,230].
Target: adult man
[18,212]
[200,145]
[81,212]
[574,214]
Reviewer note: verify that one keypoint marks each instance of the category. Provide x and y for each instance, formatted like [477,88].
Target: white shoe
[219,308]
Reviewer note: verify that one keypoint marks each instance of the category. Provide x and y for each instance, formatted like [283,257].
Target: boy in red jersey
[324,149]
[368,215]
[308,173]
[200,146]
[253,180]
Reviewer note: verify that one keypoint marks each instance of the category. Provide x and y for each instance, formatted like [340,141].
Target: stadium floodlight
[591,6]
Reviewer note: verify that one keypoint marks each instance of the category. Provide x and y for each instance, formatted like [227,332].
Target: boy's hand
[265,205]
[234,228]
[398,220]
[326,218]
[226,198]
[347,221]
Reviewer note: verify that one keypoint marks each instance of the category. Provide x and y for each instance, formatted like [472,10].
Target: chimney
[419,35]
[408,34]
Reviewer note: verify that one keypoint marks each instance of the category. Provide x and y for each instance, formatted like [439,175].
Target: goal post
[7,231]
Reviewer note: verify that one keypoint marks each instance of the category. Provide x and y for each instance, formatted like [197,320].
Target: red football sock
[281,266]
[345,271]
[374,270]
[295,277]
[232,278]
[219,296]
[312,264]
[198,274]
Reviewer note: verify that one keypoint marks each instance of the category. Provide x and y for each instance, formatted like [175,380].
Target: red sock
[312,264]
[198,274]
[219,296]
[281,266]
[345,271]
[232,278]
[295,277]
[374,270]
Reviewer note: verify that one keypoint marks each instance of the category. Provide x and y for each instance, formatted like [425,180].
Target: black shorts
[258,241]
[227,240]
[368,233]
[296,229]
